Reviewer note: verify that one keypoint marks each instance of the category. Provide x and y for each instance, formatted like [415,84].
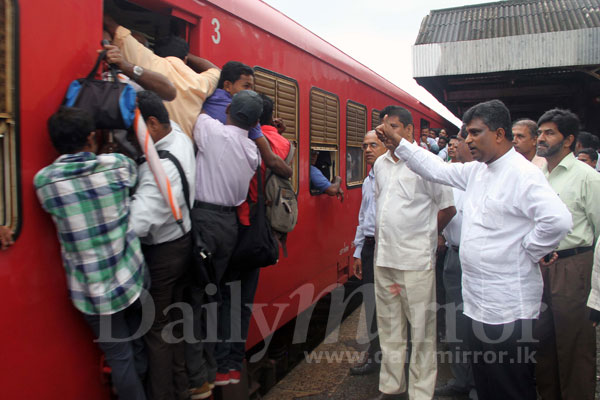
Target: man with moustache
[525,140]
[364,242]
[411,212]
[566,357]
[457,325]
[511,219]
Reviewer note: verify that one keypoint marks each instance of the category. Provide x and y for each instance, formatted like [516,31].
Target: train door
[9,194]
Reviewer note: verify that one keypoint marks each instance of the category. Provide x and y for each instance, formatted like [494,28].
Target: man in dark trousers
[364,242]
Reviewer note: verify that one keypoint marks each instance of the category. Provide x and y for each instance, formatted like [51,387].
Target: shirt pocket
[493,213]
[406,186]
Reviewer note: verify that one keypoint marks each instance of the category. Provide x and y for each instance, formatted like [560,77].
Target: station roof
[507,18]
[532,54]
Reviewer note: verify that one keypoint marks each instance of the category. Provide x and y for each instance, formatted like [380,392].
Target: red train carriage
[327,99]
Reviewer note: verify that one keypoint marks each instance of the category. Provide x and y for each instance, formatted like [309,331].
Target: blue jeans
[125,358]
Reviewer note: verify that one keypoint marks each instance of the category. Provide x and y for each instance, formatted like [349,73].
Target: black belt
[369,239]
[213,207]
[455,248]
[572,252]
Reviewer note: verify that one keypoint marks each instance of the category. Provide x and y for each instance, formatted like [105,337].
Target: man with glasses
[364,242]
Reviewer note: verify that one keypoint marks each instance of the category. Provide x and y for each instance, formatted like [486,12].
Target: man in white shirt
[226,162]
[525,133]
[511,219]
[165,243]
[410,213]
[364,241]
[457,324]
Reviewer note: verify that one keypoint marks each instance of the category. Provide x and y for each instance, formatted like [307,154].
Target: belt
[572,252]
[455,248]
[213,207]
[369,239]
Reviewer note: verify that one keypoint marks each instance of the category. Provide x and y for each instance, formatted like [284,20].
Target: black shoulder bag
[256,246]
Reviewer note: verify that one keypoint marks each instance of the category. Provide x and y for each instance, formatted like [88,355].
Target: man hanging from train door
[236,76]
[87,196]
[194,78]
[411,212]
[364,252]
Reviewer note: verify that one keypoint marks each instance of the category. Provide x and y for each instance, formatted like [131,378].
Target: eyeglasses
[373,145]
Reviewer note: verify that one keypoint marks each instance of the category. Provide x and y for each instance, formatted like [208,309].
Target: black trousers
[366,256]
[503,360]
[168,263]
[219,231]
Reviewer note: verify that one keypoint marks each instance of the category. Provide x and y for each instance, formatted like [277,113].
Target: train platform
[324,373]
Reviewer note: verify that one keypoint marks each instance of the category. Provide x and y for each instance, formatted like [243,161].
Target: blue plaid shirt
[88,199]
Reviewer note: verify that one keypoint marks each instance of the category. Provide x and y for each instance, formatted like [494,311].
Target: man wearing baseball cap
[225,163]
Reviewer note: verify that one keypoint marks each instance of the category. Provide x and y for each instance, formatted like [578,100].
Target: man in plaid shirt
[87,196]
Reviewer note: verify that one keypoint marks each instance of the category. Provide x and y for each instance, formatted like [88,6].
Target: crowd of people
[513,204]
[518,216]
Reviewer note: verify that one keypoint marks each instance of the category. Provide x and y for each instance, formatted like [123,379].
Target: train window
[284,92]
[375,118]
[9,197]
[356,127]
[424,125]
[324,132]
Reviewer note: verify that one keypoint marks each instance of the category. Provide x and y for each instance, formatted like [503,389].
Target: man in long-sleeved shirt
[235,77]
[166,245]
[567,348]
[194,78]
[410,213]
[365,250]
[512,218]
[226,162]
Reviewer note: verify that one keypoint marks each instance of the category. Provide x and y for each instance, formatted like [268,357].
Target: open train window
[356,127]
[9,161]
[284,92]
[375,118]
[324,133]
[152,25]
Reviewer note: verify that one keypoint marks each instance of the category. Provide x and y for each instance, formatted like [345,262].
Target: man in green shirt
[566,358]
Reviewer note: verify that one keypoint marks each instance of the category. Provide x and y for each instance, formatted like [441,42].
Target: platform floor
[331,379]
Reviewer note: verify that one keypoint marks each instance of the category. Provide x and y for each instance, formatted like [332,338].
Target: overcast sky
[377,33]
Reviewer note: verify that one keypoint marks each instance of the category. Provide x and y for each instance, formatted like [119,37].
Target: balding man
[365,250]
[525,140]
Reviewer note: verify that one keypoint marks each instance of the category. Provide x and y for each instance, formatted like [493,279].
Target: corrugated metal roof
[508,18]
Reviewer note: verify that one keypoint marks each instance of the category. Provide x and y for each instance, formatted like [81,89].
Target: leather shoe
[385,396]
[368,366]
[449,390]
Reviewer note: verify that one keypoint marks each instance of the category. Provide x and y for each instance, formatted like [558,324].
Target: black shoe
[384,396]
[366,367]
[449,390]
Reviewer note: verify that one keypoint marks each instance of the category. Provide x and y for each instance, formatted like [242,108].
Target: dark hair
[384,112]
[463,131]
[529,124]
[436,132]
[151,105]
[444,138]
[69,129]
[232,71]
[452,137]
[171,46]
[588,140]
[494,115]
[267,112]
[566,122]
[402,113]
[590,152]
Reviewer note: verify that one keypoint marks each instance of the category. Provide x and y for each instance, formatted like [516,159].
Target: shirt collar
[503,160]
[565,163]
[166,141]
[388,156]
[76,157]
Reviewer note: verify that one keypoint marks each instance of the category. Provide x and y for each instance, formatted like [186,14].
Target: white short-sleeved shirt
[406,221]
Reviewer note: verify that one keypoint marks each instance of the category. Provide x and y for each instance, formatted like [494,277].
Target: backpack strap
[287,160]
[184,182]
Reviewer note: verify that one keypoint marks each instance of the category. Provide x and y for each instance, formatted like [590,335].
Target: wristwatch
[137,72]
